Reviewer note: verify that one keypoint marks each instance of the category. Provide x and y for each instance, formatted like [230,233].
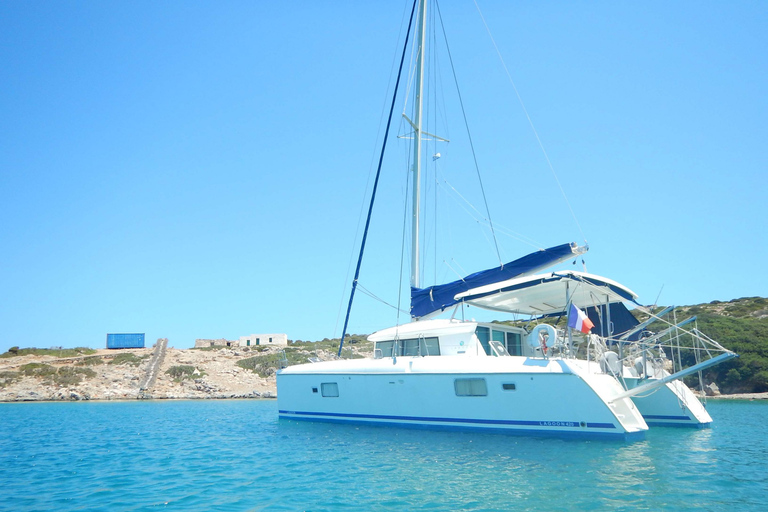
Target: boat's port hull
[544,401]
[671,405]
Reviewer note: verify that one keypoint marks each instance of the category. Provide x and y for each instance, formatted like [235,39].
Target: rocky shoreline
[740,396]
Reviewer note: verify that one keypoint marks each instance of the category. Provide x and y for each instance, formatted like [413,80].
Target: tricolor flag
[578,320]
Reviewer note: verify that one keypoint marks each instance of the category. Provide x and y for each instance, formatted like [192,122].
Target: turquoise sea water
[237,455]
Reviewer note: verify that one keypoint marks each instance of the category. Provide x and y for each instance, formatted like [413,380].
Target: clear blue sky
[197,169]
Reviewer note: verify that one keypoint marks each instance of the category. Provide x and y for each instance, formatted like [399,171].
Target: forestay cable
[530,122]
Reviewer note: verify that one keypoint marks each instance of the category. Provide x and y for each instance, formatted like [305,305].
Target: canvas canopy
[425,301]
[547,294]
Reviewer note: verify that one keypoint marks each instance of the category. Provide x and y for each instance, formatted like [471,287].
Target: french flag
[578,320]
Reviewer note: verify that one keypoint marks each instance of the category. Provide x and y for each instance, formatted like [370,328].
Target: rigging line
[402,249]
[370,169]
[376,181]
[372,295]
[461,277]
[508,232]
[482,221]
[530,122]
[469,135]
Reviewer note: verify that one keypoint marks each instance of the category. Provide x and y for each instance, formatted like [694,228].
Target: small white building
[253,340]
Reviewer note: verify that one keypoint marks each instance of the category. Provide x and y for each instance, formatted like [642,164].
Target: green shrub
[183,372]
[261,364]
[128,358]
[64,376]
[90,361]
[71,376]
[7,377]
[41,370]
[55,352]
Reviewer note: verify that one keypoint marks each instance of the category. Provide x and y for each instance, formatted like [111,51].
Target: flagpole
[568,320]
[609,330]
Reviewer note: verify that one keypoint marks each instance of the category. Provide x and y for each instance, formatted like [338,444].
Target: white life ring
[542,338]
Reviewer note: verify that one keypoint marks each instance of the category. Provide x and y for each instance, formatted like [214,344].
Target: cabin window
[329,389]
[429,347]
[409,347]
[385,348]
[484,336]
[508,386]
[470,387]
[514,346]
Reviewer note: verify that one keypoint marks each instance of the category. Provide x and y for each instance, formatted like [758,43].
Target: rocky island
[145,373]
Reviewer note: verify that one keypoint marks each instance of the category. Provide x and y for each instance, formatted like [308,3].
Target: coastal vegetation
[90,361]
[55,352]
[63,376]
[128,358]
[183,372]
[267,364]
[742,326]
[8,377]
[300,352]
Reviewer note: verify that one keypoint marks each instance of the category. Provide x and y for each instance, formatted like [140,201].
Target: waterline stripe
[660,417]
[451,420]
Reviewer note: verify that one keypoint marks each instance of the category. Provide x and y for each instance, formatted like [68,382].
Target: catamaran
[612,379]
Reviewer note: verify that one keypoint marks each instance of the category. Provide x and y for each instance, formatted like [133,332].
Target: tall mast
[415,278]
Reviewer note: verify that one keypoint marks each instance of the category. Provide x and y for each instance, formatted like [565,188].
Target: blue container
[125,340]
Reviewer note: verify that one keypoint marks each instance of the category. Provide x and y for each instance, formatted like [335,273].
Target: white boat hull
[671,405]
[549,397]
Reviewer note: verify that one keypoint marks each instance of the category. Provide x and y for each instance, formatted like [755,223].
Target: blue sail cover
[621,318]
[439,297]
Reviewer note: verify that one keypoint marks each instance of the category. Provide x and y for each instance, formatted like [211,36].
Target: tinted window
[470,387]
[330,389]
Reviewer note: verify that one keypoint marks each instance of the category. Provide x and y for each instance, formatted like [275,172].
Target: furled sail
[425,301]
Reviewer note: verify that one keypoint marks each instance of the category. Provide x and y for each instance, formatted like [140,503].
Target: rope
[379,299]
[469,134]
[530,122]
[503,229]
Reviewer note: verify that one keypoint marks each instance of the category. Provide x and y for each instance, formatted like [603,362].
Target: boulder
[711,389]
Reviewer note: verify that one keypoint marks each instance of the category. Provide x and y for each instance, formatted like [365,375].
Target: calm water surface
[237,455]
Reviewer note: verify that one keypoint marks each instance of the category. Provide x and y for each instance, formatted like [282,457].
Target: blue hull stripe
[660,417]
[573,424]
